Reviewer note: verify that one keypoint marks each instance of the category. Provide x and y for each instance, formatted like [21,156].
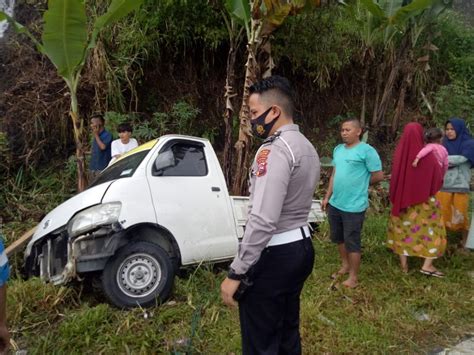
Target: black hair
[280,88]
[353,120]
[433,134]
[98,117]
[124,127]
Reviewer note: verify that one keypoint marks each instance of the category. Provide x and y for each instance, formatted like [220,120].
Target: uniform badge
[262,162]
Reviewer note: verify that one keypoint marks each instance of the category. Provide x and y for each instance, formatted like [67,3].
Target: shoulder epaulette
[272,137]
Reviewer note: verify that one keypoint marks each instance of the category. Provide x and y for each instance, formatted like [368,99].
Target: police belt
[289,236]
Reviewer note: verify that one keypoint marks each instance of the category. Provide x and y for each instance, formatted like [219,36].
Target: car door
[192,202]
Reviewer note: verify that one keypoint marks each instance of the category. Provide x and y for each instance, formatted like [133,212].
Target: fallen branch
[20,242]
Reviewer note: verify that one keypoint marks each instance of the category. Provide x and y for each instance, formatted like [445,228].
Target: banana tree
[393,18]
[416,62]
[371,36]
[235,11]
[260,18]
[67,42]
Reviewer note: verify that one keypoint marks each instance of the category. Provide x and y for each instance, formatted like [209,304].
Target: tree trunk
[378,88]
[408,70]
[366,60]
[229,95]
[387,93]
[265,59]
[387,96]
[245,133]
[78,127]
[401,102]
[364,94]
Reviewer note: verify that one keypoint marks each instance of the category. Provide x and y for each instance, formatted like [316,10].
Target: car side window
[181,159]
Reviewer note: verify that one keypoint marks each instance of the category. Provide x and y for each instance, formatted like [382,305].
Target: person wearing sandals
[454,195]
[415,227]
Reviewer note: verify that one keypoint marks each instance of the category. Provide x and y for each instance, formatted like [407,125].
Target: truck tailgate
[240,207]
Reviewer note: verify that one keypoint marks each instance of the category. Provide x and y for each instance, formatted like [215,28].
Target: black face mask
[260,128]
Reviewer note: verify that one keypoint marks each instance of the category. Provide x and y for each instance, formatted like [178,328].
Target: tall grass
[389,312]
[28,195]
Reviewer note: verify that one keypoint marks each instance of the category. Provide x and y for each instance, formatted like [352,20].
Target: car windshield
[123,168]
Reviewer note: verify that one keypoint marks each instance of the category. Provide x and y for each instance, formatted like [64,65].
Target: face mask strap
[263,115]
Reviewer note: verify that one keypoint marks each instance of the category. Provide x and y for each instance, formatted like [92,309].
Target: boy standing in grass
[356,165]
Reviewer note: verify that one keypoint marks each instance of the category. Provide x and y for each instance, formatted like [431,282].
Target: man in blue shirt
[100,152]
[4,273]
[356,165]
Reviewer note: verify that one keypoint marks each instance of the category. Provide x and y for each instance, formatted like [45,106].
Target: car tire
[139,274]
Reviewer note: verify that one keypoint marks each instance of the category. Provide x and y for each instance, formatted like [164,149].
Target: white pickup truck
[162,206]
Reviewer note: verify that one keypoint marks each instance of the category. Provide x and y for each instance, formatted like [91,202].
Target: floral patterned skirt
[418,231]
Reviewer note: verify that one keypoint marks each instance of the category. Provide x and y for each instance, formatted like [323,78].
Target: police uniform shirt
[282,183]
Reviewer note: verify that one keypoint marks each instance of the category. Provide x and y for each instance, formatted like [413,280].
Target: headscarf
[408,185]
[463,144]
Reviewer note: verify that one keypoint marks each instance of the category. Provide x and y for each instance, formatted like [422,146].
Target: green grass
[380,316]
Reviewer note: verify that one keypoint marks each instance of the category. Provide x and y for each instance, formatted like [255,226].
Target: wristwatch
[231,274]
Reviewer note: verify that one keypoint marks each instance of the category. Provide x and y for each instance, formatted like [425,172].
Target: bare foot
[350,283]
[404,268]
[342,271]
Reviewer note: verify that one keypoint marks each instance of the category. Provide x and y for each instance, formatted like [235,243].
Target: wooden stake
[20,242]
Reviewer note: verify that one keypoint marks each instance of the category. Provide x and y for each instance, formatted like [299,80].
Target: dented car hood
[61,215]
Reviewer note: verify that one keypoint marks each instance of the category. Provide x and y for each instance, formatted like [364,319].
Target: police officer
[276,254]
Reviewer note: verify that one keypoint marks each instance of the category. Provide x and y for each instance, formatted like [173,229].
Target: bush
[319,44]
[178,120]
[456,48]
[454,100]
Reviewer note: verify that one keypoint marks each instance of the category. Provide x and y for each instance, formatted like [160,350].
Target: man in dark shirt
[100,152]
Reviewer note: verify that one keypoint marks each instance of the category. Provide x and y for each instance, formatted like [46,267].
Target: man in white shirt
[125,143]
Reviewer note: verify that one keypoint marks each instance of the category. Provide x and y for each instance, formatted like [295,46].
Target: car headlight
[94,217]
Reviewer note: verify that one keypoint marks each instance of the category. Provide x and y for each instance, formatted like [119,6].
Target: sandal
[435,273]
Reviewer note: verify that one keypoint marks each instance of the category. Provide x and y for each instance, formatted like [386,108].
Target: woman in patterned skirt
[415,227]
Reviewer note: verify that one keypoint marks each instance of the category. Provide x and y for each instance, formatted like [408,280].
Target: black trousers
[270,309]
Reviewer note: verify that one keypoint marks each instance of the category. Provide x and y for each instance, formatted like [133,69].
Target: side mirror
[164,161]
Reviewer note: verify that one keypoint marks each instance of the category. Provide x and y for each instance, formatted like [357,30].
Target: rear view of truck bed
[240,207]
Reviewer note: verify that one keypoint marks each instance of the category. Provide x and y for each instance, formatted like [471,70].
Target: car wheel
[139,274]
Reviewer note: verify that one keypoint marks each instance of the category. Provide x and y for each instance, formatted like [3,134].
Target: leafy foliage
[66,42]
[456,49]
[336,46]
[454,100]
[65,36]
[114,119]
[240,10]
[179,120]
[161,31]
